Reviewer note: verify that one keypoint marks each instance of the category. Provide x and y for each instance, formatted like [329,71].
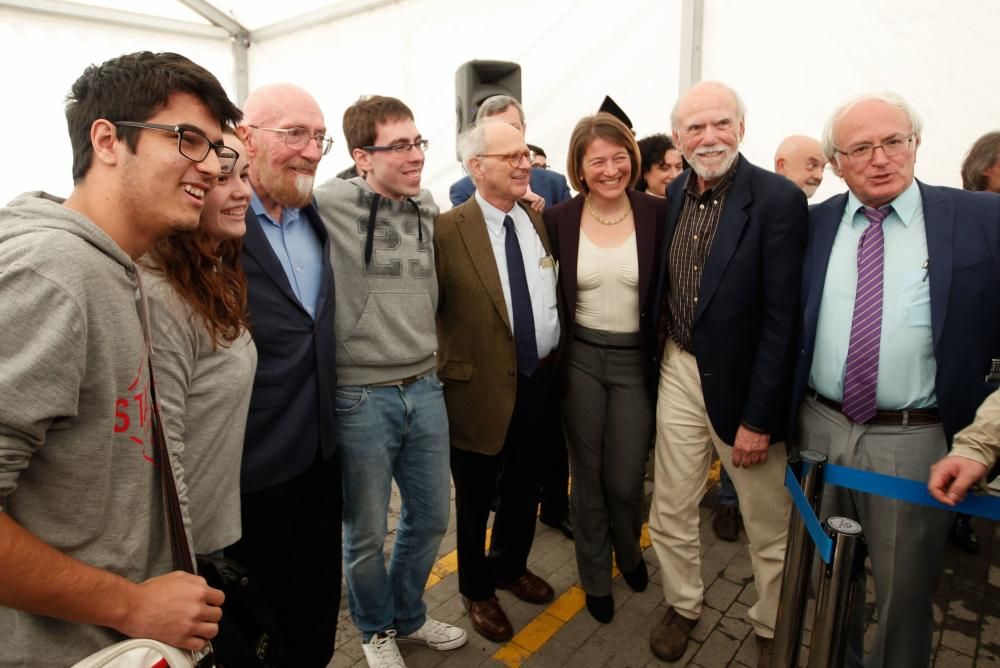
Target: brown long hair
[210,279]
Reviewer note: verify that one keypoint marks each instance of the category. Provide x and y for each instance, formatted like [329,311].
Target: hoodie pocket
[394,328]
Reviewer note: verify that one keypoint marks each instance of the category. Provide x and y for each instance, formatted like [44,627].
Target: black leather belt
[402,382]
[907,417]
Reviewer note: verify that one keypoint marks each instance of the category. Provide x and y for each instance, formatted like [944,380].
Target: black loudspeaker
[477,80]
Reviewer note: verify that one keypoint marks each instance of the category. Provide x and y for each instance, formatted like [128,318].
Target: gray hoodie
[76,454]
[385,325]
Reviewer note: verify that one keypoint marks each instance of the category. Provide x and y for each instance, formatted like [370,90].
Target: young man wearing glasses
[290,482]
[84,559]
[391,421]
[901,322]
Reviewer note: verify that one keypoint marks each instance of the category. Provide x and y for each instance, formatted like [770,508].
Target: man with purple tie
[900,324]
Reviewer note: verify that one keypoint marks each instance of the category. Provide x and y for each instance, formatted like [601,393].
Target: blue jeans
[384,433]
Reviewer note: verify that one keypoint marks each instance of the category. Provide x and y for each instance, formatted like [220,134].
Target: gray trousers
[609,428]
[905,541]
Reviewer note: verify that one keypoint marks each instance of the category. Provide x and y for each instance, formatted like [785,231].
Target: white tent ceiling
[791,61]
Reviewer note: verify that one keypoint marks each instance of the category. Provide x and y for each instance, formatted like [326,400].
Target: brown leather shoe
[765,650]
[529,587]
[727,523]
[489,619]
[669,638]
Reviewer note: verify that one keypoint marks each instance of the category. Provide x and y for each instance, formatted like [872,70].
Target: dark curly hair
[652,150]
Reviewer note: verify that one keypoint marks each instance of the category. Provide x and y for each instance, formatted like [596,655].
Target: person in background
[203,356]
[981,167]
[538,157]
[546,184]
[800,159]
[604,240]
[661,164]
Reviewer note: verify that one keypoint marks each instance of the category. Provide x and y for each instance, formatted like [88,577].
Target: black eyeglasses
[298,138]
[399,148]
[192,144]
[512,159]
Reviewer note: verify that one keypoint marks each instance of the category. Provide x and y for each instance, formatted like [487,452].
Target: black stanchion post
[798,564]
[829,634]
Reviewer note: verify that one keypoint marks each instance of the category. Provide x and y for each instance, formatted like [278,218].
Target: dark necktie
[861,371]
[520,303]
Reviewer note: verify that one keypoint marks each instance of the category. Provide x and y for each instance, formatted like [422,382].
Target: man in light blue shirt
[899,327]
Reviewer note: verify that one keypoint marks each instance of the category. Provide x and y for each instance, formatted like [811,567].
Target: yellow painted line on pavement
[542,628]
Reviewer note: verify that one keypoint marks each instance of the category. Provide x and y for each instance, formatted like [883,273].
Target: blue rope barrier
[824,544]
[891,487]
[912,491]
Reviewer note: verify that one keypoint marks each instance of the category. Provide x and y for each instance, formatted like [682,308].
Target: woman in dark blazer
[604,240]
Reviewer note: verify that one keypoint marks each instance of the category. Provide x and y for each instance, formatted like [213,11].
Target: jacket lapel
[939,225]
[472,228]
[645,238]
[824,220]
[326,276]
[727,236]
[256,245]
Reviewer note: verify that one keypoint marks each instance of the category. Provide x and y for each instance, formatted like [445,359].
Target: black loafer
[601,608]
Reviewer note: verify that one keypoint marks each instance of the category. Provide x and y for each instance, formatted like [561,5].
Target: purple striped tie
[861,374]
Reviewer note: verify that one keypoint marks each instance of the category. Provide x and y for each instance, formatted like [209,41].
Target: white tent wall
[571,52]
[791,61]
[42,56]
[794,62]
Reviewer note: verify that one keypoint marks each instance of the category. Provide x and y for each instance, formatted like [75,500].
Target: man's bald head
[801,160]
[282,169]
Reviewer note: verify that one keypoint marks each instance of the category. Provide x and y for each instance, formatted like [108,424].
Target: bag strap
[180,549]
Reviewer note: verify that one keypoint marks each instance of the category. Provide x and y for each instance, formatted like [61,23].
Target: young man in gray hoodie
[85,559]
[391,419]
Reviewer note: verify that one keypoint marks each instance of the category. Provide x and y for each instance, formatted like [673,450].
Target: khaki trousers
[684,443]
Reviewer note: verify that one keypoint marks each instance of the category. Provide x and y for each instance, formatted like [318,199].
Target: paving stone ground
[966,611]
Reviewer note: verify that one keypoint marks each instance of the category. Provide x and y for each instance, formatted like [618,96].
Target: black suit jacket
[291,419]
[963,244]
[746,319]
[563,225]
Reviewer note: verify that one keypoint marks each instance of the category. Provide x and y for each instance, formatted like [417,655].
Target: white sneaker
[437,635]
[381,651]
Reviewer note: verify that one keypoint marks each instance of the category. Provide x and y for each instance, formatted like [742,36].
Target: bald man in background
[801,160]
[290,480]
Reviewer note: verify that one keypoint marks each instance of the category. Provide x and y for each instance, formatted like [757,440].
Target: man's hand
[534,200]
[952,477]
[178,608]
[750,448]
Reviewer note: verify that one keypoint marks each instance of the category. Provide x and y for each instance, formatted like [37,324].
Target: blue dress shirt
[906,366]
[298,248]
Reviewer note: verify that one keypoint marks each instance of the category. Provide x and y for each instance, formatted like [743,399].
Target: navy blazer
[550,185]
[563,225]
[963,244]
[747,314]
[291,417]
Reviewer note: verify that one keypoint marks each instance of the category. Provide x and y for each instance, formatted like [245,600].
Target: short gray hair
[471,143]
[892,99]
[984,154]
[741,109]
[498,104]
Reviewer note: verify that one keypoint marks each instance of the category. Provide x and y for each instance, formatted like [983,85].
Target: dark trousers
[292,543]
[519,467]
[554,499]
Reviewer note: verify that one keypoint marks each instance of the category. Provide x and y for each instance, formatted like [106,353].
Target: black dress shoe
[561,523]
[638,577]
[601,608]
[726,523]
[963,535]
